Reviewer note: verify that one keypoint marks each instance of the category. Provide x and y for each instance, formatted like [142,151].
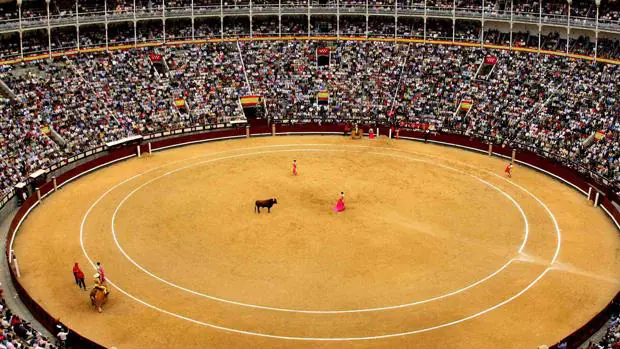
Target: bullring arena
[435,248]
[432,174]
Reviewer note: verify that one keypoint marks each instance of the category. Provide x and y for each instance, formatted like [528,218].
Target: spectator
[563,108]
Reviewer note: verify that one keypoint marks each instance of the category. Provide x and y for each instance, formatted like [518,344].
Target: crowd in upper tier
[568,109]
[551,104]
[37,10]
[66,37]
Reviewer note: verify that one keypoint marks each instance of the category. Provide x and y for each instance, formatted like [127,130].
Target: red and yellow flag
[323,96]
[466,104]
[250,101]
[179,102]
[599,135]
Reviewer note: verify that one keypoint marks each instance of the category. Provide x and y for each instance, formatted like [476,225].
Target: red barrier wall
[527,157]
[196,137]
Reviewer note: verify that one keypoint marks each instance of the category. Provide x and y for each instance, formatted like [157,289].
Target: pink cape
[339,206]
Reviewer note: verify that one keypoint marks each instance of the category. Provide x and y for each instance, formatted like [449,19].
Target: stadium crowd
[36,42]
[567,109]
[17,333]
[36,10]
[611,337]
[65,38]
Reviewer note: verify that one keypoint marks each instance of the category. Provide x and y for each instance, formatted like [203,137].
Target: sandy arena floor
[436,249]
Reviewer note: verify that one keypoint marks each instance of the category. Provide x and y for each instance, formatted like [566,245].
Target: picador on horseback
[99,293]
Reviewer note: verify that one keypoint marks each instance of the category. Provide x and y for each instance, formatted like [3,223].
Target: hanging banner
[322,56]
[250,101]
[322,51]
[486,67]
[179,103]
[599,135]
[466,105]
[323,97]
[490,60]
[154,57]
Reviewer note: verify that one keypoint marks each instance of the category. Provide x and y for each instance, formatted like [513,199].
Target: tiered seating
[551,104]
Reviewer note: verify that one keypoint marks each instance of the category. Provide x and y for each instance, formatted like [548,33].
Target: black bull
[264,203]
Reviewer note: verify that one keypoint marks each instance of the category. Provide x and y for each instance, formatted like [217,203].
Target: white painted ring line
[522,163]
[249,333]
[309,338]
[125,158]
[611,216]
[137,265]
[508,196]
[11,243]
[555,222]
[49,193]
[327,339]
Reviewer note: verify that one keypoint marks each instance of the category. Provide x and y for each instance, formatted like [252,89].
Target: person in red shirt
[79,276]
[508,170]
[294,167]
[76,269]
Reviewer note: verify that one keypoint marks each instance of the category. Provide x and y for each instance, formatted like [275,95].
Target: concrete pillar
[16,266]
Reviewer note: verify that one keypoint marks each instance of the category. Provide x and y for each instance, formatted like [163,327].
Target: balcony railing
[95,16]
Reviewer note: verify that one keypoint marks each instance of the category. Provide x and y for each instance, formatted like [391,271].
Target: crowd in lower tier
[564,108]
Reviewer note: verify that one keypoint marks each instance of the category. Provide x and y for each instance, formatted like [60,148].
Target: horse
[357,133]
[98,298]
[264,203]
